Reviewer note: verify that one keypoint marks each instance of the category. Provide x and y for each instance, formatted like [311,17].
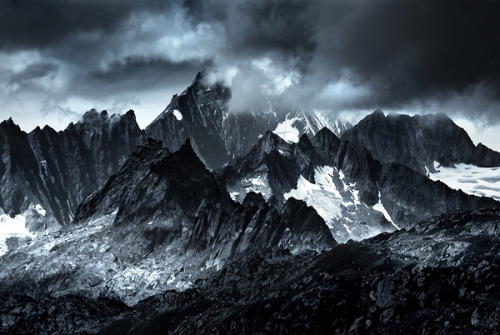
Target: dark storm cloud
[416,49]
[34,71]
[330,55]
[133,73]
[40,23]
[273,26]
[383,54]
[32,24]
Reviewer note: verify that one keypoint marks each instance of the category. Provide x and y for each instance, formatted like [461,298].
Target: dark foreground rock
[440,277]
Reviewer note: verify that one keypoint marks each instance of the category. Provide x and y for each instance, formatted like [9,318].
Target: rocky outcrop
[424,281]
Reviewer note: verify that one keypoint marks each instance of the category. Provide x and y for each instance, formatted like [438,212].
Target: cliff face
[57,170]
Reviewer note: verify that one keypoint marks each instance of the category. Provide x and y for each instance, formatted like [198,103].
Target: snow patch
[234,195]
[253,183]
[322,195]
[337,201]
[40,210]
[257,184]
[380,207]
[177,114]
[12,227]
[471,179]
[287,131]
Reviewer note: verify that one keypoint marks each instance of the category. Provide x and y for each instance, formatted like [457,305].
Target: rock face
[58,169]
[21,182]
[418,141]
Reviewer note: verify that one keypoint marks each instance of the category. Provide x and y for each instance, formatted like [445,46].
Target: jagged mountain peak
[183,162]
[270,141]
[96,119]
[130,114]
[8,121]
[305,143]
[327,144]
[304,140]
[417,141]
[46,128]
[325,134]
[253,198]
[203,80]
[378,113]
[200,79]
[304,221]
[10,124]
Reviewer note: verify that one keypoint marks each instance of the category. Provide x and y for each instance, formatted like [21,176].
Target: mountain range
[270,221]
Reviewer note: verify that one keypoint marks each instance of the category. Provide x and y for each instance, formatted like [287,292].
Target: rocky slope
[404,282]
[440,276]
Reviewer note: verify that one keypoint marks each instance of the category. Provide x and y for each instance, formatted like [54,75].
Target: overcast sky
[60,58]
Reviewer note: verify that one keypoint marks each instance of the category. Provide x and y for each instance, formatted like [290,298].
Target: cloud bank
[60,58]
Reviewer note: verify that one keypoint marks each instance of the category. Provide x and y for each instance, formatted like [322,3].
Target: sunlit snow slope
[471,179]
[338,203]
